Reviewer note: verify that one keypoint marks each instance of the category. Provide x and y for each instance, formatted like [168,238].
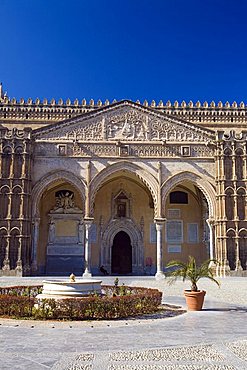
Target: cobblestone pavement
[214,338]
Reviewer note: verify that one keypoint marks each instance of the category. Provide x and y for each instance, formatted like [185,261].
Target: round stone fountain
[72,288]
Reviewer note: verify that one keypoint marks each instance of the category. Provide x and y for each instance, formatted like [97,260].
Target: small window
[178,197]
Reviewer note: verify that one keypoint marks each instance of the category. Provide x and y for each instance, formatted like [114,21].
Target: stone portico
[123,185]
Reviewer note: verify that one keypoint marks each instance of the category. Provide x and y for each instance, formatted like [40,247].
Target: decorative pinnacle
[1,90]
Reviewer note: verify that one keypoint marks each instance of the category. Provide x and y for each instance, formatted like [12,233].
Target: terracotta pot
[194,300]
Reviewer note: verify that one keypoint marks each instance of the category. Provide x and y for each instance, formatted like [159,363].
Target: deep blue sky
[134,49]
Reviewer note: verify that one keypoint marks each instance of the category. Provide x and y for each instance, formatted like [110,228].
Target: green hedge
[116,303]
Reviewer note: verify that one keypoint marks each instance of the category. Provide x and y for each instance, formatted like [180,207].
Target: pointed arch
[204,185]
[4,229]
[231,232]
[241,191]
[16,230]
[51,178]
[3,187]
[229,190]
[243,232]
[17,187]
[135,235]
[146,177]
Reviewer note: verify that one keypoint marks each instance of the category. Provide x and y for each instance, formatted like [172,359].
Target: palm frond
[190,271]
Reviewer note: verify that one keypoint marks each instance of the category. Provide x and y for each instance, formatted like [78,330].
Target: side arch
[51,178]
[204,185]
[146,177]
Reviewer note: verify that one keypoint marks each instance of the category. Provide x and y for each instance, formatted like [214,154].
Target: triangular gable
[126,121]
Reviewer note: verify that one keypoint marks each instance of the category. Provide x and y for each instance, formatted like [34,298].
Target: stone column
[210,223]
[87,190]
[18,268]
[159,223]
[35,244]
[87,251]
[6,262]
[238,262]
[80,232]
[225,265]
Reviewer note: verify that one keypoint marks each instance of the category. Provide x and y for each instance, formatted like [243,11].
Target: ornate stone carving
[87,150]
[65,203]
[129,123]
[93,131]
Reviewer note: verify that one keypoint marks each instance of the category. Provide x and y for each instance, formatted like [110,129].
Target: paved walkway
[215,338]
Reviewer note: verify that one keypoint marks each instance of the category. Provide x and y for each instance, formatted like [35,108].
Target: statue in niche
[52,231]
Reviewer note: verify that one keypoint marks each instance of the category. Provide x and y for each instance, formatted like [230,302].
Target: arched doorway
[121,254]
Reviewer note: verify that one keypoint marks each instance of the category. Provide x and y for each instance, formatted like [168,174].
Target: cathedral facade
[124,185]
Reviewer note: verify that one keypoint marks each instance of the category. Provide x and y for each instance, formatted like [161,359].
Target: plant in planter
[190,271]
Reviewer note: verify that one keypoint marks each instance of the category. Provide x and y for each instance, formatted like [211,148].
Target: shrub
[20,302]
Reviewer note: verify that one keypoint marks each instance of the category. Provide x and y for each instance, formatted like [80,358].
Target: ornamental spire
[2,94]
[1,90]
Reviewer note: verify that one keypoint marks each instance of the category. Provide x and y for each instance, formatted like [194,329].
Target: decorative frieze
[138,150]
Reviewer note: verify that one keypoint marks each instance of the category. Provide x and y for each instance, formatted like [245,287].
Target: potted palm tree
[190,271]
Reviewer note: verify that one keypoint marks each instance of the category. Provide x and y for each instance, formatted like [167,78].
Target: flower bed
[117,302]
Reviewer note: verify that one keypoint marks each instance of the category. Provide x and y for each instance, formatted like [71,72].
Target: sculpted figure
[52,232]
[66,200]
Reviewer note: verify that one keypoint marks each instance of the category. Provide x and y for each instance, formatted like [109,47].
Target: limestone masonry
[125,185]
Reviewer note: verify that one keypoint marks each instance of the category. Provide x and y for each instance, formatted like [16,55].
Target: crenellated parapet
[43,112]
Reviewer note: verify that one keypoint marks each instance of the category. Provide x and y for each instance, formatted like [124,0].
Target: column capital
[211,221]
[159,220]
[88,220]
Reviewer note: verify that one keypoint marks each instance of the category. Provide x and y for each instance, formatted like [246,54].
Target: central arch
[146,178]
[121,257]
